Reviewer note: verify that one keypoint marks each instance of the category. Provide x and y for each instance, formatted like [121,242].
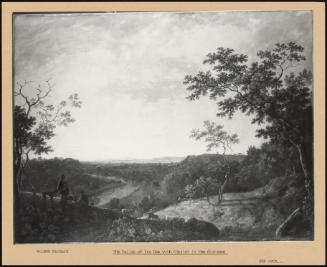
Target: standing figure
[63,188]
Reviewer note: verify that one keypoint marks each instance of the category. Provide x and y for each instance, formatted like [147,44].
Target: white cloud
[128,70]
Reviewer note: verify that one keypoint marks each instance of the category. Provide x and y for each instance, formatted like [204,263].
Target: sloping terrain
[240,215]
[44,221]
[251,215]
[143,189]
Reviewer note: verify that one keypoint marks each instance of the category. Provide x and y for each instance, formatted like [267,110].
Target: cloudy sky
[128,69]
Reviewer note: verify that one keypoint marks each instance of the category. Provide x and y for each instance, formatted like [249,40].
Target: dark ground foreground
[45,221]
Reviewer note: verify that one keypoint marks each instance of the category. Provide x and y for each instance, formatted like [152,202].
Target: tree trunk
[16,196]
[17,169]
[222,188]
[307,212]
[17,179]
[306,171]
[306,168]
[289,220]
[17,164]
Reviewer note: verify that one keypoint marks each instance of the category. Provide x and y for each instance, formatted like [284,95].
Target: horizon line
[132,158]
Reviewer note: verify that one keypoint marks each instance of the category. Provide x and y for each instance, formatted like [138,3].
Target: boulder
[204,227]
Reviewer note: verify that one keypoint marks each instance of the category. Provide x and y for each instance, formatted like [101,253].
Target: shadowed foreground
[240,217]
[44,221]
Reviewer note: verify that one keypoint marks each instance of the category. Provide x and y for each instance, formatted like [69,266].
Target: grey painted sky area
[128,69]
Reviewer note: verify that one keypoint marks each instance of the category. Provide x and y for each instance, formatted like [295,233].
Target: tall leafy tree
[35,122]
[273,90]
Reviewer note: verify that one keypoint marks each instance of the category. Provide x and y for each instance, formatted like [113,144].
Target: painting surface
[163,127]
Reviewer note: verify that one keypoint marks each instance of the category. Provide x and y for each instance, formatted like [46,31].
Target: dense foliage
[273,90]
[192,168]
[175,229]
[250,171]
[42,174]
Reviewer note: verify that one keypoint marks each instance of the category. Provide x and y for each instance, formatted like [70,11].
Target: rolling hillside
[242,216]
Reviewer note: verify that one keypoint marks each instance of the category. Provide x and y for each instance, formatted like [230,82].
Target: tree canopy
[265,89]
[35,122]
[273,90]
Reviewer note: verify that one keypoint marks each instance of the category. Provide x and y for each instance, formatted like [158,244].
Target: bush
[175,229]
[146,204]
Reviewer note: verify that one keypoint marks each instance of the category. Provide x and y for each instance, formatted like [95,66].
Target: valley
[250,209]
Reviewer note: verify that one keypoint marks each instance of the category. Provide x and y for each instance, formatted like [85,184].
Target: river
[121,190]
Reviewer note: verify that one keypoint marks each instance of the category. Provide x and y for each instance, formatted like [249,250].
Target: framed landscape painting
[146,131]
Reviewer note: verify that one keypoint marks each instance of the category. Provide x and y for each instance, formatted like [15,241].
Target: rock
[204,227]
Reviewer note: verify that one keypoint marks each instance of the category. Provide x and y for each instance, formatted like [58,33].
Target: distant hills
[163,159]
[151,160]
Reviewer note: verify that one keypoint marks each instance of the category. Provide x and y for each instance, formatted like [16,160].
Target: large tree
[273,90]
[35,122]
